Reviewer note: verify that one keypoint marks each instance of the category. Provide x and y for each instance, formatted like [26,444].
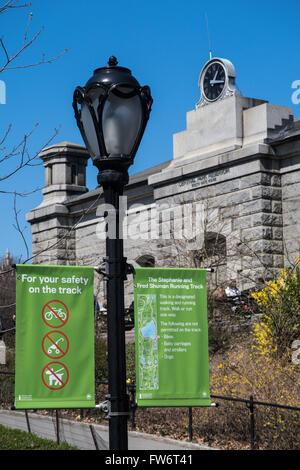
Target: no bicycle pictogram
[55,313]
[55,375]
[55,344]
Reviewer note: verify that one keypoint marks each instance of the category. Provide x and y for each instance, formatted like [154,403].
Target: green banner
[54,337]
[171,339]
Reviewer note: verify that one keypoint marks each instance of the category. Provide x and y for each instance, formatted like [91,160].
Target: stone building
[229,198]
[6,262]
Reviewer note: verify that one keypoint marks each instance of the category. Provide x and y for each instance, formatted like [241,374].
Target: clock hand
[212,82]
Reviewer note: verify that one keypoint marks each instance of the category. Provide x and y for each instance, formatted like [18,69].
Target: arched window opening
[146,261]
[212,252]
[214,245]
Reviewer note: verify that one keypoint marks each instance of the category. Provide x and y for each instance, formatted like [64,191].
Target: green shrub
[279,305]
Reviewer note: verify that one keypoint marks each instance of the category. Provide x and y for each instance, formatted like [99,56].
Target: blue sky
[165,45]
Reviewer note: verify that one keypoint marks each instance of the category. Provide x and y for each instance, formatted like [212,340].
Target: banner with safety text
[54,337]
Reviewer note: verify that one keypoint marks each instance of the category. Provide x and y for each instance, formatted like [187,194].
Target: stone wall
[290,181]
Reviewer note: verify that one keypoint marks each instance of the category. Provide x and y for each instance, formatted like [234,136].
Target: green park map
[148,344]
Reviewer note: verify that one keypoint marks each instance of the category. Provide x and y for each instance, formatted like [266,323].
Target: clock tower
[216,81]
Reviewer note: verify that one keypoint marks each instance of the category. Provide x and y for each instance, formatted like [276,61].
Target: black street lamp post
[114,110]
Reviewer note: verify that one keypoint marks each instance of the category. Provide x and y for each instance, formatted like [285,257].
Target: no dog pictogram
[55,375]
[55,313]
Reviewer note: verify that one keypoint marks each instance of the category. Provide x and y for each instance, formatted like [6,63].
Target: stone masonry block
[290,178]
[258,205]
[291,191]
[266,192]
[266,246]
[276,180]
[292,205]
[242,222]
[257,233]
[276,207]
[266,219]
[252,180]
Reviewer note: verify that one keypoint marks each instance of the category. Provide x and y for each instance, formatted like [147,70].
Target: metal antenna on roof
[208,36]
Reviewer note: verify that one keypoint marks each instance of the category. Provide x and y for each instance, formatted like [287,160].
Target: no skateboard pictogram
[55,344]
[55,313]
[55,375]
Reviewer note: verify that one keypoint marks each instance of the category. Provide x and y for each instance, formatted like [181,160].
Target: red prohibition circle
[54,315]
[55,345]
[54,376]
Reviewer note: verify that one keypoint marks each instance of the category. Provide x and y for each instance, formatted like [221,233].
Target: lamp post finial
[112,61]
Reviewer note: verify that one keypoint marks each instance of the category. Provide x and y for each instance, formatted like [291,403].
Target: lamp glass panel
[89,130]
[121,122]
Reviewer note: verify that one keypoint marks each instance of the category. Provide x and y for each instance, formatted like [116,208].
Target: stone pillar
[53,241]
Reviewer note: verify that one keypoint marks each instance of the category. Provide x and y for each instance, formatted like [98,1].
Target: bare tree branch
[26,31]
[6,306]
[25,193]
[13,57]
[21,151]
[41,62]
[5,51]
[26,43]
[17,225]
[67,233]
[12,4]
[5,137]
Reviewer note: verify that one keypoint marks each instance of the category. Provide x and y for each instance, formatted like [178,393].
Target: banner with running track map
[171,338]
[54,337]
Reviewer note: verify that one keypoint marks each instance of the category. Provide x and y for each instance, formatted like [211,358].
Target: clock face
[214,81]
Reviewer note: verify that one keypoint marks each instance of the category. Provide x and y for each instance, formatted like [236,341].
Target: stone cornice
[210,162]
